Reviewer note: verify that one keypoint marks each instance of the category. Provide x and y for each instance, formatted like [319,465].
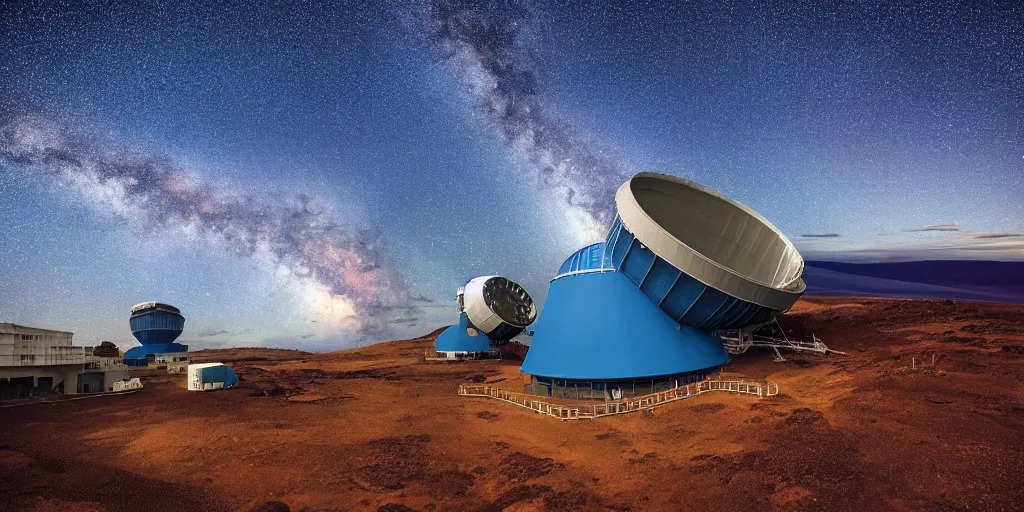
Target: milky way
[347,267]
[866,120]
[483,39]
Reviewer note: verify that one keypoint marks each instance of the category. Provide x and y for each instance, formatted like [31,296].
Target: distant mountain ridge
[993,281]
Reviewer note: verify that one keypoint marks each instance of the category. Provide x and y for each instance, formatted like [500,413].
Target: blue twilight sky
[230,157]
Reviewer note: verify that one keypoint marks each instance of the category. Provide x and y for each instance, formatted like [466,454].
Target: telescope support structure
[741,340]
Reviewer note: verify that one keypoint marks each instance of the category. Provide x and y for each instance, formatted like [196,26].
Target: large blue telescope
[640,312]
[156,326]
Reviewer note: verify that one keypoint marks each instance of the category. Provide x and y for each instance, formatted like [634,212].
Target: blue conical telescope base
[599,326]
[137,356]
[457,339]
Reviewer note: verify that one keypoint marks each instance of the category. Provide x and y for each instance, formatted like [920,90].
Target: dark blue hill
[994,281]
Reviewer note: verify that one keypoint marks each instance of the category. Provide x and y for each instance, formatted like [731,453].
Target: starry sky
[323,175]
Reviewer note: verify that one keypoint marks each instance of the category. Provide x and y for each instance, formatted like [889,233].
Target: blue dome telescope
[492,310]
[641,312]
[156,326]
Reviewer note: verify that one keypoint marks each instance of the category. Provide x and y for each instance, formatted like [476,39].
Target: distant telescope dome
[708,261]
[498,307]
[156,323]
[156,326]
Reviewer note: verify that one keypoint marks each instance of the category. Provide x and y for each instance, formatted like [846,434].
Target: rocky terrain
[378,428]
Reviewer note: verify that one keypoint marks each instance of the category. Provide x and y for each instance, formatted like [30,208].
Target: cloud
[936,227]
[407,319]
[947,245]
[484,42]
[209,333]
[199,344]
[343,270]
[823,235]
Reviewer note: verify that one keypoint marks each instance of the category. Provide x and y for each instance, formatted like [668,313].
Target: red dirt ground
[378,428]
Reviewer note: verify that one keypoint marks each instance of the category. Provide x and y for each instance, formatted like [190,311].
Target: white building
[210,376]
[171,358]
[37,362]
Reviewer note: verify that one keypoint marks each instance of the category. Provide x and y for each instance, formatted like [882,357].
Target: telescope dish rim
[481,315]
[669,247]
[154,305]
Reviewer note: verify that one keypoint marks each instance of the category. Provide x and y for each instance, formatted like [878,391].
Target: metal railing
[433,355]
[613,407]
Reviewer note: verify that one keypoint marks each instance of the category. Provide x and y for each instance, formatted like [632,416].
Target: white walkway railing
[613,407]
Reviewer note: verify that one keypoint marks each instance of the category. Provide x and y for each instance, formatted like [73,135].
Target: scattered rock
[397,461]
[452,483]
[963,340]
[573,499]
[271,389]
[520,493]
[394,507]
[521,467]
[708,408]
[314,373]
[768,407]
[804,416]
[995,328]
[648,457]
[709,461]
[707,456]
[613,436]
[271,506]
